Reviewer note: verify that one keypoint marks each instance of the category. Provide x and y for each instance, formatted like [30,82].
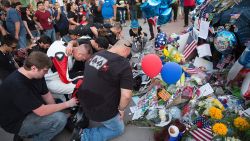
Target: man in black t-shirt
[106,92]
[27,107]
[7,62]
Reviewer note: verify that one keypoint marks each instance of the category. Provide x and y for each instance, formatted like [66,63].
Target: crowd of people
[46,50]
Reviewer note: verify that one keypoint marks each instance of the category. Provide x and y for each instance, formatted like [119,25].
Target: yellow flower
[177,57]
[241,123]
[165,52]
[220,129]
[218,104]
[215,113]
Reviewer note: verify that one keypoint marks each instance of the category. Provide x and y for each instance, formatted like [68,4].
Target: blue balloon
[171,72]
[154,2]
[199,2]
[167,12]
[144,5]
[163,20]
[150,11]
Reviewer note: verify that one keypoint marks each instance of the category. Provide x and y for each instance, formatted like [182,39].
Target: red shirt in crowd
[189,3]
[44,18]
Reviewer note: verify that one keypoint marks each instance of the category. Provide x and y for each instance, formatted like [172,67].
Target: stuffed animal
[171,132]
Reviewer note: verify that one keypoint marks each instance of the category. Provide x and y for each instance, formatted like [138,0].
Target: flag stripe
[202,134]
[207,135]
[189,49]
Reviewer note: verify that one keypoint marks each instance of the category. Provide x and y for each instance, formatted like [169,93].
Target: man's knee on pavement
[59,120]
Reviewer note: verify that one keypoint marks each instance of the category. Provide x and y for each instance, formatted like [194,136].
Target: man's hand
[72,102]
[69,50]
[121,113]
[16,36]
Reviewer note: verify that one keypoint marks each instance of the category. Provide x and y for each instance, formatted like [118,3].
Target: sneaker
[17,138]
[76,134]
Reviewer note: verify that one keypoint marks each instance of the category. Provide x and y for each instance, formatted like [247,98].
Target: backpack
[107,9]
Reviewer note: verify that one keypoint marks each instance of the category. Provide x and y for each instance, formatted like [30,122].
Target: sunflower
[215,113]
[241,123]
[220,129]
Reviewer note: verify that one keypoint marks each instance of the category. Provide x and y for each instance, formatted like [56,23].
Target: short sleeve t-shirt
[105,74]
[7,65]
[122,4]
[62,22]
[44,18]
[11,18]
[97,14]
[73,15]
[19,96]
[30,22]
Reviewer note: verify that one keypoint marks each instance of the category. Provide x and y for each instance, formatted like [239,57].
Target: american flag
[191,70]
[189,48]
[202,134]
[224,61]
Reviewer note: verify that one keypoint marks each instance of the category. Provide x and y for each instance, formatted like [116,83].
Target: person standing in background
[175,6]
[122,8]
[44,20]
[189,5]
[15,24]
[96,11]
[132,9]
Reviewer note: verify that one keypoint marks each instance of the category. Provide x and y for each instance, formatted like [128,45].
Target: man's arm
[17,29]
[37,22]
[126,95]
[48,98]
[44,110]
[3,31]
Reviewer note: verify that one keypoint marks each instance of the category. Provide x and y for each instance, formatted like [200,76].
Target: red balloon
[151,65]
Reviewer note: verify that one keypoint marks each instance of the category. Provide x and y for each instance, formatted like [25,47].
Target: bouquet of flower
[171,54]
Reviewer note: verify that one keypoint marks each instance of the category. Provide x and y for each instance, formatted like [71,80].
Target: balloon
[225,42]
[167,12]
[165,16]
[245,58]
[160,40]
[151,65]
[199,1]
[150,11]
[171,72]
[154,2]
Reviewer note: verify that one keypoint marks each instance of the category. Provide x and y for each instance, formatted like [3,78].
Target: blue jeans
[35,33]
[51,33]
[43,128]
[122,13]
[133,13]
[22,42]
[110,129]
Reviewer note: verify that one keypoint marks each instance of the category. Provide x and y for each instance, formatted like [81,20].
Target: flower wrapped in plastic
[171,54]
